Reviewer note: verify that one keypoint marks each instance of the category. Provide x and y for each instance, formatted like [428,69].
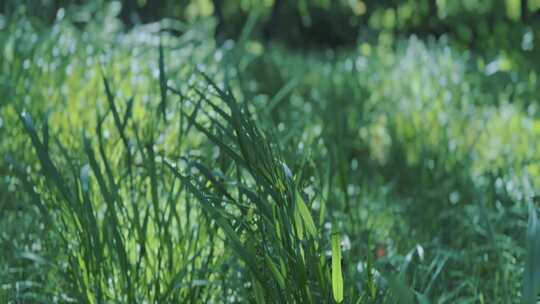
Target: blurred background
[486,25]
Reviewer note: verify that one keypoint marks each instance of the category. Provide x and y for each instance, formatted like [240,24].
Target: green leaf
[298,223]
[259,292]
[275,272]
[337,276]
[306,215]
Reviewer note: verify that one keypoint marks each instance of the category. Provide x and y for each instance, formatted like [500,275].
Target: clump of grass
[256,200]
[126,222]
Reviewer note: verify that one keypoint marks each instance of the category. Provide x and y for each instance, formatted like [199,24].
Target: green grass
[144,167]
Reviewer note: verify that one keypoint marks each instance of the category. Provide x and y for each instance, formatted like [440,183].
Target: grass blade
[337,276]
[531,282]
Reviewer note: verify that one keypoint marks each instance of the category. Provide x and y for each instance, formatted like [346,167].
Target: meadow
[148,166]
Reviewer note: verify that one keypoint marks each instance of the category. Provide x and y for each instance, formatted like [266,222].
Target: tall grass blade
[337,275]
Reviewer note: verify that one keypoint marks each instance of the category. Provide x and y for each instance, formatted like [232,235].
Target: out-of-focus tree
[329,23]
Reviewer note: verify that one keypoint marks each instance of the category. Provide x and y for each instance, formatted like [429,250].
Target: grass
[164,169]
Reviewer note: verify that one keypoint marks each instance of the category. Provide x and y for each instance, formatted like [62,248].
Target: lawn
[159,164]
